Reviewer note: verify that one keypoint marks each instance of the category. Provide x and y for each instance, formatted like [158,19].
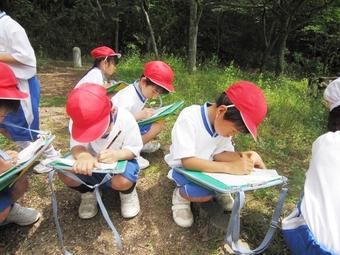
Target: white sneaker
[22,216]
[129,204]
[226,201]
[181,211]
[43,167]
[88,205]
[142,162]
[151,147]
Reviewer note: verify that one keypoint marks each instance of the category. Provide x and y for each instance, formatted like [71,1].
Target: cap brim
[13,94]
[167,87]
[250,125]
[90,134]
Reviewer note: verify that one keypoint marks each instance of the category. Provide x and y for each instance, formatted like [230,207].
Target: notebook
[225,183]
[26,158]
[161,113]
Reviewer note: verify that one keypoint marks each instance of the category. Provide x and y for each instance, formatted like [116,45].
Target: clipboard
[162,113]
[228,183]
[116,86]
[26,158]
[66,163]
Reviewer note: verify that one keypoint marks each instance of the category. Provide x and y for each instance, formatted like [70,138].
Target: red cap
[160,73]
[89,108]
[104,51]
[8,84]
[250,101]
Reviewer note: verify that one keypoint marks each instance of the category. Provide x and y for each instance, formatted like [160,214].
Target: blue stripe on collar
[139,92]
[2,14]
[206,122]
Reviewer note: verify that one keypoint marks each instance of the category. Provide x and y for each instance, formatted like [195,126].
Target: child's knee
[4,214]
[68,181]
[121,183]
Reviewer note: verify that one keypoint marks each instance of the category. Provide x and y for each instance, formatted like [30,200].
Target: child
[10,211]
[105,62]
[314,226]
[202,140]
[157,79]
[17,52]
[95,124]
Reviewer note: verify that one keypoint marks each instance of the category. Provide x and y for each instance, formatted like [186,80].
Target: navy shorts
[5,199]
[131,173]
[144,129]
[188,187]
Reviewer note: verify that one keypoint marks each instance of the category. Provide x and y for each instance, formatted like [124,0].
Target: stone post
[76,57]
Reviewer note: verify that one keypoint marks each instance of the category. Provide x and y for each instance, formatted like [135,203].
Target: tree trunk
[116,22]
[152,35]
[280,59]
[193,31]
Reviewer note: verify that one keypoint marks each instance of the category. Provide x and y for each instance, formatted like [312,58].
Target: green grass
[294,121]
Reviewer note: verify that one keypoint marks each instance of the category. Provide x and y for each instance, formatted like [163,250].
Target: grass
[294,121]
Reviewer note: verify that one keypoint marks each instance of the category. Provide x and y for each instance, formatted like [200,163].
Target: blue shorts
[5,199]
[18,118]
[301,241]
[188,187]
[131,173]
[144,129]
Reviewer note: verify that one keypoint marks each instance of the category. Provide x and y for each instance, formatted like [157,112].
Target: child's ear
[222,109]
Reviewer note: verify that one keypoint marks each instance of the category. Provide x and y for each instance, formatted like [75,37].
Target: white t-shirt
[130,98]
[14,41]
[320,205]
[193,136]
[95,75]
[129,138]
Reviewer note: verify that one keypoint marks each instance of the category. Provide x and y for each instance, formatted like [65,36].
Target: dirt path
[151,232]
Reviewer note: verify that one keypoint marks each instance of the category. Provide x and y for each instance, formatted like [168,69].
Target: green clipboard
[162,113]
[9,177]
[215,184]
[117,86]
[119,168]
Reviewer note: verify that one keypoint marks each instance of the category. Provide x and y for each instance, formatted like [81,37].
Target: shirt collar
[205,119]
[139,92]
[113,119]
[2,14]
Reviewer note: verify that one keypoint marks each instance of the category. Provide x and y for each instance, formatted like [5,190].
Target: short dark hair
[109,59]
[4,4]
[334,119]
[9,104]
[233,114]
[151,83]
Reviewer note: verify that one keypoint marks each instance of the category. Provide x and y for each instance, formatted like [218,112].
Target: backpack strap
[99,200]
[233,229]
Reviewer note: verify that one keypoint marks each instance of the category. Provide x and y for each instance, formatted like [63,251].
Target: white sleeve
[74,143]
[183,138]
[123,100]
[93,76]
[20,46]
[133,139]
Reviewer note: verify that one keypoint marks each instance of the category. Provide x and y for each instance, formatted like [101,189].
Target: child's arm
[111,156]
[240,166]
[143,114]
[228,156]
[85,162]
[7,164]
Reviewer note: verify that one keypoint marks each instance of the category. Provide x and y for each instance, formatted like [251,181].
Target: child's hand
[242,166]
[255,157]
[85,163]
[147,112]
[5,165]
[107,156]
[13,155]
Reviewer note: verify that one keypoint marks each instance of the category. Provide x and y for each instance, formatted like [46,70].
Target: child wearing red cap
[10,211]
[202,140]
[17,52]
[314,226]
[102,133]
[157,79]
[105,62]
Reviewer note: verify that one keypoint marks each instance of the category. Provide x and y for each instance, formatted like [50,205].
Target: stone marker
[76,57]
